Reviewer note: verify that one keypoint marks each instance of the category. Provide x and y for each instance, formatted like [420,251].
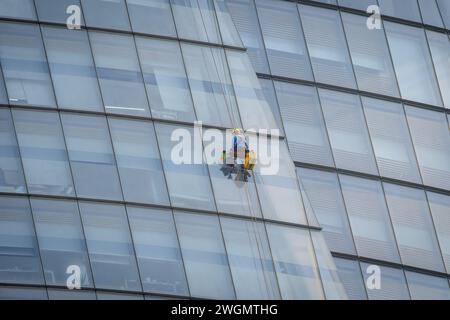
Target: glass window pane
[323,193]
[413,227]
[91,157]
[24,65]
[250,259]
[351,277]
[3,95]
[63,294]
[303,122]
[327,46]
[110,246]
[228,31]
[430,135]
[427,287]
[165,79]
[369,218]
[253,107]
[332,285]
[204,256]
[111,296]
[357,4]
[119,74]
[196,20]
[278,190]
[348,132]
[109,14]
[11,173]
[43,152]
[391,140]
[20,262]
[404,9]
[22,293]
[152,17]
[157,250]
[20,9]
[444,8]
[268,90]
[283,37]
[61,240]
[295,264]
[440,52]
[210,82]
[370,56]
[430,13]
[56,10]
[392,283]
[440,208]
[138,160]
[188,182]
[72,69]
[246,21]
[412,63]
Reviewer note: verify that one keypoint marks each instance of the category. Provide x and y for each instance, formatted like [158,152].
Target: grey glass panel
[332,285]
[165,79]
[426,287]
[413,227]
[370,56]
[211,87]
[326,1]
[250,259]
[24,65]
[392,283]
[19,249]
[277,185]
[188,181]
[323,193]
[357,4]
[430,13]
[283,36]
[22,293]
[110,246]
[444,8]
[204,255]
[440,52]
[196,20]
[61,294]
[119,74]
[57,11]
[405,9]
[440,208]
[304,124]
[91,157]
[43,151]
[391,140]
[327,46]
[61,241]
[430,135]
[412,63]
[369,218]
[254,110]
[348,132]
[245,19]
[118,296]
[11,173]
[268,90]
[138,160]
[21,9]
[295,264]
[72,69]
[351,277]
[116,17]
[157,250]
[152,17]
[228,31]
[3,95]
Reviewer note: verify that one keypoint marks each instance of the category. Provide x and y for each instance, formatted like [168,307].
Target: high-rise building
[97,96]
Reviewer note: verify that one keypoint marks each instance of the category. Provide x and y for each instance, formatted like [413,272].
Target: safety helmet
[236,131]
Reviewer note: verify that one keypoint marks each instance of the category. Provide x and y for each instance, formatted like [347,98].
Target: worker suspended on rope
[240,159]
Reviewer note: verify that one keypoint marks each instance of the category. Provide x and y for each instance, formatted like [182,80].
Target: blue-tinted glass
[110,14]
[430,13]
[440,52]
[444,8]
[43,151]
[21,9]
[228,31]
[58,11]
[357,4]
[63,294]
[152,17]
[427,287]
[19,252]
[404,9]
[351,277]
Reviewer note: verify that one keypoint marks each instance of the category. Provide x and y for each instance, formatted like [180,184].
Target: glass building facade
[87,179]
